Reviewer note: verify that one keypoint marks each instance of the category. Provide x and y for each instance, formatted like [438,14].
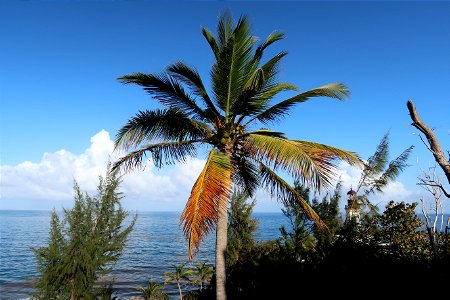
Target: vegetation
[84,245]
[377,173]
[203,274]
[297,241]
[317,250]
[241,227]
[178,276]
[153,291]
[231,120]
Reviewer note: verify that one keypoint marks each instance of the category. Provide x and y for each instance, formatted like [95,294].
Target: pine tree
[297,240]
[84,245]
[328,210]
[377,173]
[241,227]
[49,262]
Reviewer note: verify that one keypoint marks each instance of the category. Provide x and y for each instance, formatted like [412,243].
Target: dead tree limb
[433,142]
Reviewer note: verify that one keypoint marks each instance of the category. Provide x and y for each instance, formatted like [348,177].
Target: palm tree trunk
[179,288]
[221,246]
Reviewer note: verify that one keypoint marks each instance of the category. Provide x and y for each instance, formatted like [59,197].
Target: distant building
[352,209]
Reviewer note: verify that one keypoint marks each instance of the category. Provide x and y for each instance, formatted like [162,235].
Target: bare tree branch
[433,142]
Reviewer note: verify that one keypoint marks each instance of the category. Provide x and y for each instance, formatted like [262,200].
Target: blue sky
[61,104]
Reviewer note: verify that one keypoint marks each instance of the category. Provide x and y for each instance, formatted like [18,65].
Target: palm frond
[350,157]
[286,194]
[167,90]
[261,87]
[311,163]
[211,41]
[209,198]
[162,153]
[230,73]
[169,124]
[267,72]
[272,38]
[245,175]
[254,103]
[192,78]
[334,90]
[264,132]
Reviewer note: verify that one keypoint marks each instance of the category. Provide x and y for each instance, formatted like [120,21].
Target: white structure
[352,210]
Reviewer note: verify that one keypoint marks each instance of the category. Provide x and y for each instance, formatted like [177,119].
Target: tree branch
[433,142]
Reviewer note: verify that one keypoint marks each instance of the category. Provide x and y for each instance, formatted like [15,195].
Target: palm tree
[229,121]
[203,274]
[179,275]
[153,290]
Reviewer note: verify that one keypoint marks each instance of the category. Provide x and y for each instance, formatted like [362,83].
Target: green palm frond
[167,90]
[163,153]
[272,38]
[334,90]
[170,124]
[209,198]
[350,157]
[246,174]
[287,194]
[191,78]
[211,41]
[231,71]
[266,132]
[261,87]
[266,73]
[310,163]
[224,29]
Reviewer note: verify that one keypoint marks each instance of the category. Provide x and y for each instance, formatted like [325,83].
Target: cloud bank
[30,185]
[49,183]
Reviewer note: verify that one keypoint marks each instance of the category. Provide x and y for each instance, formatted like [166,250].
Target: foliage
[377,173]
[297,241]
[203,274]
[241,227]
[178,276]
[153,290]
[230,120]
[329,211]
[84,245]
[243,90]
[400,233]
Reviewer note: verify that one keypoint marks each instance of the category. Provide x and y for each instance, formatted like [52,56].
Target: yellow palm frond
[209,198]
[287,194]
[311,163]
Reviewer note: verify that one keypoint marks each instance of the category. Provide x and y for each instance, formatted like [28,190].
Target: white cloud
[395,190]
[51,180]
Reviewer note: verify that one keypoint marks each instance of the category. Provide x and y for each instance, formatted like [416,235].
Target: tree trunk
[221,246]
[179,289]
[73,294]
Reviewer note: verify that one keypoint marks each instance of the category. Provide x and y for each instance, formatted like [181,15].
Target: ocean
[155,244]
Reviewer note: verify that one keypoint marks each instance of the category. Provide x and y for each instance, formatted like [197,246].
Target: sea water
[154,246]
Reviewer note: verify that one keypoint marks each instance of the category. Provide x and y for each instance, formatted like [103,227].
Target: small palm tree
[178,276]
[203,274]
[153,291]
